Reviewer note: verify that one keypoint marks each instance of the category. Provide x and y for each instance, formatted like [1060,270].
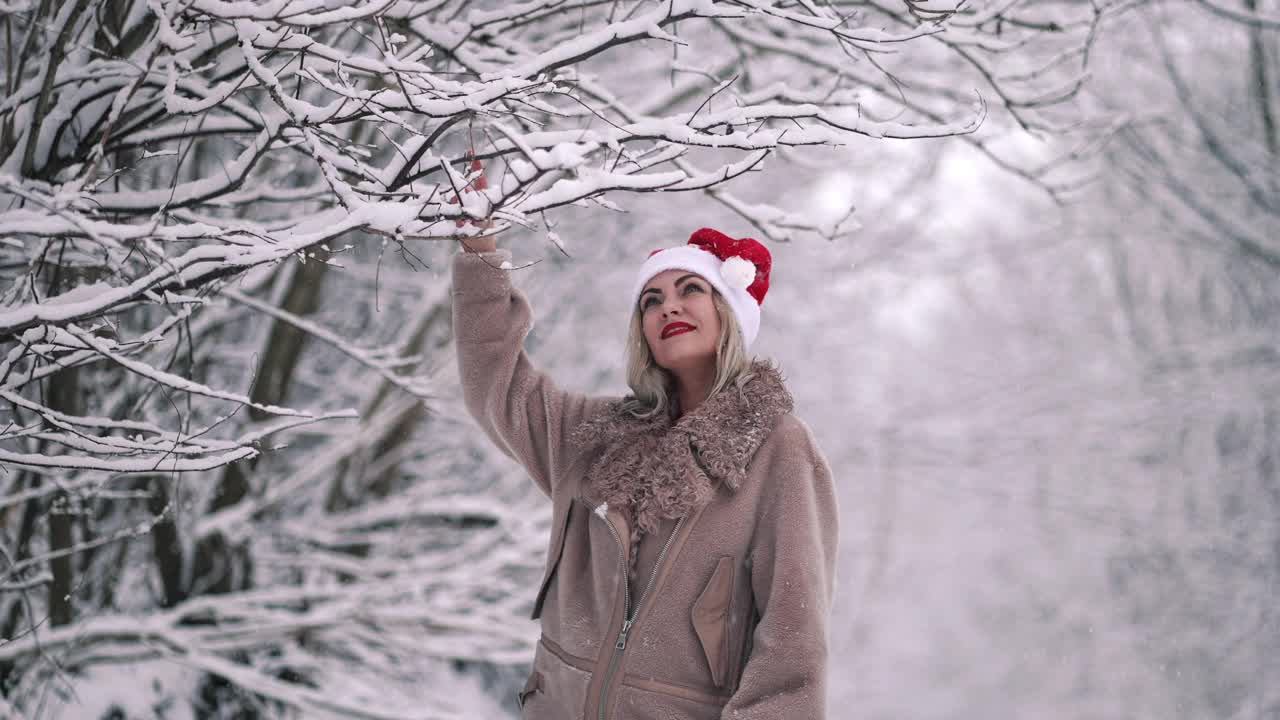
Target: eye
[692,286]
[645,303]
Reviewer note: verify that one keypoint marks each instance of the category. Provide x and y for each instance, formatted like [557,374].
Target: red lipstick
[675,328]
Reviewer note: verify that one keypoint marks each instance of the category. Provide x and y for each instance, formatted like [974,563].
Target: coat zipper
[627,618]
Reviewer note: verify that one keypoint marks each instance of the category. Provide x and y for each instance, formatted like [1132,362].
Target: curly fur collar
[654,469]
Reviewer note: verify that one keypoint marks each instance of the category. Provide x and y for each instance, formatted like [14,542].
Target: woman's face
[680,320]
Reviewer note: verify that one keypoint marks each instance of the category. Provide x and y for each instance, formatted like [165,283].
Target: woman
[691,563]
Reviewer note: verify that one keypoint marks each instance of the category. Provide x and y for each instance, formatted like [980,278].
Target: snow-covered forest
[1026,290]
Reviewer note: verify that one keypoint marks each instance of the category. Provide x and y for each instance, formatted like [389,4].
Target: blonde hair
[653,386]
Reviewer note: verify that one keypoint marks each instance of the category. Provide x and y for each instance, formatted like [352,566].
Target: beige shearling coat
[730,621]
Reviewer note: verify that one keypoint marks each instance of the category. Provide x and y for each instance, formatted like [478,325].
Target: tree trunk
[221,567]
[1258,68]
[63,392]
[166,547]
[432,331]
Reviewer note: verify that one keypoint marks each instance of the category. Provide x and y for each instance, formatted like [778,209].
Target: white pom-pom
[738,272]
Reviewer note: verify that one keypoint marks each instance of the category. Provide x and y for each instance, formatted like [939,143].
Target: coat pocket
[711,620]
[560,528]
[531,686]
[748,619]
[557,687]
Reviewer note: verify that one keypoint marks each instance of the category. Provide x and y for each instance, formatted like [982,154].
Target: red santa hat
[737,268]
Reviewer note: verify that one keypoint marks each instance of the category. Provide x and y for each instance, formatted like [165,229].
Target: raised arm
[525,414]
[793,582]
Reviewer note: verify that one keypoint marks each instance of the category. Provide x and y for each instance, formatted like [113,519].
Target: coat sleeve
[793,558]
[522,411]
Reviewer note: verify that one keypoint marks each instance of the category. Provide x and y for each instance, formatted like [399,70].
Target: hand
[480,243]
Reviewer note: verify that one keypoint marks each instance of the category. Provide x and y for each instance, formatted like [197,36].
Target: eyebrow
[679,280]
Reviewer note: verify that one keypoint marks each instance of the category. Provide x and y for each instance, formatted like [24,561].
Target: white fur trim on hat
[724,276]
